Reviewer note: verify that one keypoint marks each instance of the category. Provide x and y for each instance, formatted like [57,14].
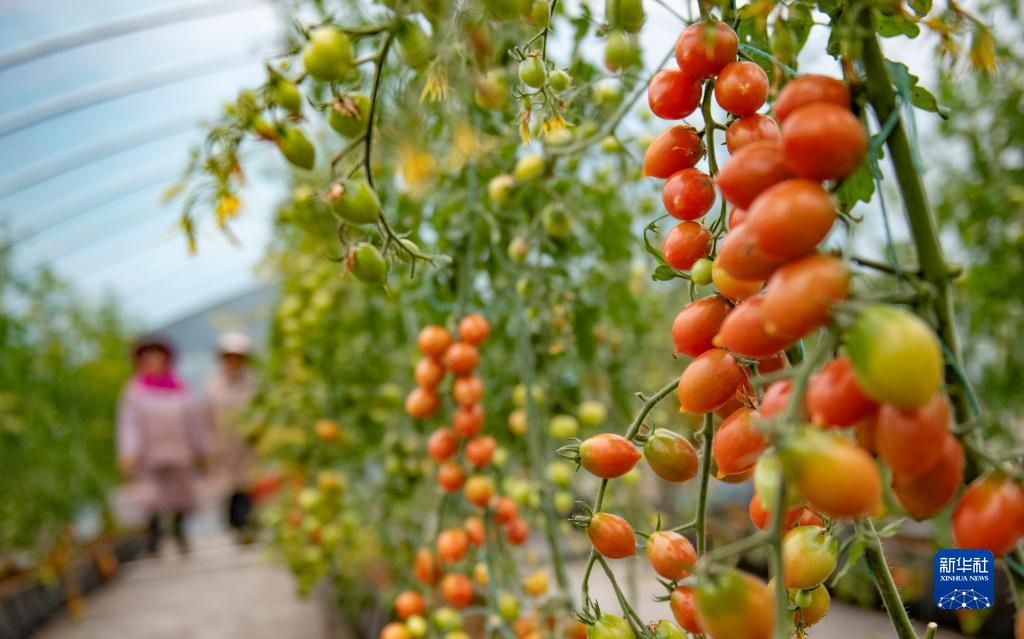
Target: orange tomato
[709,381]
[697,324]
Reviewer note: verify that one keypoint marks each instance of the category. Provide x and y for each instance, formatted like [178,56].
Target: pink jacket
[160,427]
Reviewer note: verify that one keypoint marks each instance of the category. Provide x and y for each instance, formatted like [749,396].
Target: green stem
[782,615]
[709,126]
[707,437]
[649,404]
[879,570]
[631,616]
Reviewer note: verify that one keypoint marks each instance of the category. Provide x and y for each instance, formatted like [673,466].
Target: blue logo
[964,579]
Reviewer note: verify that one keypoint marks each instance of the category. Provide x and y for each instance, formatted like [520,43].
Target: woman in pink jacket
[161,439]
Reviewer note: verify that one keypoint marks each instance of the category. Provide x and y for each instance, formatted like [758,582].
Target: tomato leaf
[897,25]
[856,551]
[907,83]
[664,273]
[891,529]
[920,7]
[859,186]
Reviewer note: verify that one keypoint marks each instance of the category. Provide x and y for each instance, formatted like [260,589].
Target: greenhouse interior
[511,319]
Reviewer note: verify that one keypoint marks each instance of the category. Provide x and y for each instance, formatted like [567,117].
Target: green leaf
[920,7]
[897,25]
[799,20]
[907,85]
[891,529]
[665,273]
[652,249]
[859,186]
[852,557]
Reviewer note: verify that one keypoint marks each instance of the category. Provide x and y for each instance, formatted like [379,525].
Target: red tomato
[433,341]
[474,527]
[474,328]
[752,128]
[452,544]
[751,171]
[480,450]
[479,490]
[808,89]
[409,603]
[672,95]
[461,358]
[800,295]
[740,257]
[990,514]
[771,363]
[457,590]
[608,455]
[686,243]
[743,331]
[671,456]
[735,605]
[688,194]
[832,474]
[776,398]
[395,630]
[468,420]
[505,510]
[866,430]
[910,441]
[697,324]
[684,609]
[823,141]
[834,398]
[737,217]
[703,49]
[442,444]
[468,390]
[925,495]
[425,568]
[429,372]
[741,88]
[671,555]
[732,287]
[517,532]
[450,477]
[789,219]
[738,401]
[709,381]
[421,402]
[612,536]
[738,443]
[676,148]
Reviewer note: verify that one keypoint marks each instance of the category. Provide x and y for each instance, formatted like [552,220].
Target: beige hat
[234,343]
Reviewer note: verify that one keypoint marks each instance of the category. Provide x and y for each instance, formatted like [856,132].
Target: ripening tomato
[480,450]
[433,341]
[834,398]
[575,629]
[705,48]
[750,129]
[676,148]
[896,356]
[608,455]
[709,381]
[832,474]
[911,441]
[741,88]
[457,590]
[461,358]
[479,490]
[468,390]
[809,89]
[450,476]
[740,257]
[425,568]
[474,329]
[610,626]
[505,510]
[468,420]
[536,584]
[822,141]
[671,555]
[743,331]
[686,243]
[791,218]
[429,372]
[697,324]
[865,431]
[442,444]
[452,544]
[671,456]
[611,536]
[800,295]
[738,401]
[751,171]
[672,95]
[925,495]
[409,603]
[666,629]
[517,532]
[421,403]
[737,217]
[762,517]
[776,398]
[738,443]
[732,287]
[474,527]
[688,194]
[990,514]
[684,609]
[395,630]
[809,556]
[734,605]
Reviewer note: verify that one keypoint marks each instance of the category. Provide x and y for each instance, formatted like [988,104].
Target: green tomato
[492,91]
[532,72]
[700,272]
[559,80]
[528,167]
[499,189]
[607,91]
[610,144]
[560,473]
[564,426]
[414,46]
[767,472]
[563,501]
[627,15]
[609,626]
[368,264]
[518,249]
[592,413]
[508,606]
[896,356]
[500,457]
[539,13]
[456,634]
[358,203]
[519,395]
[309,498]
[417,626]
[447,618]
[809,556]
[666,629]
[618,52]
[350,115]
[286,95]
[559,137]
[296,147]
[328,54]
[557,223]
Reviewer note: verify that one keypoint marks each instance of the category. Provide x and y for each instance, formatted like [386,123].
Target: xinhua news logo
[964,579]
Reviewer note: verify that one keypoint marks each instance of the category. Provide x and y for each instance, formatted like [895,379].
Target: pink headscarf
[167,380]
